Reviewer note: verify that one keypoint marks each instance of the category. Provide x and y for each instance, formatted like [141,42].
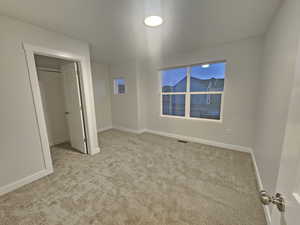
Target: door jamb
[30,51]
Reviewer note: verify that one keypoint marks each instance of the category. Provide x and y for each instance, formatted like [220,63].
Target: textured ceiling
[115,30]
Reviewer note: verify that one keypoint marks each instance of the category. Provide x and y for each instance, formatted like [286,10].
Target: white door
[288,182]
[74,107]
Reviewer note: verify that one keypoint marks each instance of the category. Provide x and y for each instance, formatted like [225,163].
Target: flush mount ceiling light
[153,21]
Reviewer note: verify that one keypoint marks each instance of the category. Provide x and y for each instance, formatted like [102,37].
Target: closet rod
[45,69]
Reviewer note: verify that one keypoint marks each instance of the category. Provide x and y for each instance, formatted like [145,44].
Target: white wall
[242,78]
[52,92]
[102,95]
[140,108]
[125,112]
[142,100]
[20,145]
[281,44]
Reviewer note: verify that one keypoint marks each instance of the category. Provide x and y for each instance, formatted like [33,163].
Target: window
[119,86]
[193,92]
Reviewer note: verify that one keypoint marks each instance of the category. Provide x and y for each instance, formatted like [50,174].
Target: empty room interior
[150,112]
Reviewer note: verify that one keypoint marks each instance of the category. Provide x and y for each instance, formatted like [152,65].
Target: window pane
[208,77]
[173,105]
[174,80]
[206,106]
[121,88]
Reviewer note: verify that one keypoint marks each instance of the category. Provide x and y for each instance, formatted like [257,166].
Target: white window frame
[188,94]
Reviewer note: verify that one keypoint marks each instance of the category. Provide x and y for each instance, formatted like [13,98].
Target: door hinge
[85,140]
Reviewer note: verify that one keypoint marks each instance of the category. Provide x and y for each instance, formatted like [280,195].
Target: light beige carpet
[140,180]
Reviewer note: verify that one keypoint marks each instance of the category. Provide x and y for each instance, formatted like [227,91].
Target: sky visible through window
[120,81]
[171,77]
[216,70]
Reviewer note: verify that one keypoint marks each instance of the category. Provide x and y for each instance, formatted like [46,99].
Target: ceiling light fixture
[205,65]
[153,21]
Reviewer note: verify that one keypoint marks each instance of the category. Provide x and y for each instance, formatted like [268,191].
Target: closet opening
[61,94]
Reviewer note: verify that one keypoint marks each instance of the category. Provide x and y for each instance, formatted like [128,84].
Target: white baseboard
[188,138]
[261,187]
[202,141]
[26,180]
[104,129]
[59,142]
[142,131]
[128,130]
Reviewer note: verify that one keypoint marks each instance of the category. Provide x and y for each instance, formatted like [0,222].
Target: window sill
[119,94]
[191,118]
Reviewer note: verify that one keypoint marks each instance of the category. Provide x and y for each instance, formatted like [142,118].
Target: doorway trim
[87,98]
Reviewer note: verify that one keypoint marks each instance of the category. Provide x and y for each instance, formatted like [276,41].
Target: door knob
[277,200]
[66,113]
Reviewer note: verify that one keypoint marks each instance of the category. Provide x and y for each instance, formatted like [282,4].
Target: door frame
[87,97]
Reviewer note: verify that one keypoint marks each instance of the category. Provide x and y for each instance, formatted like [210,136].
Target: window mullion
[188,79]
[188,96]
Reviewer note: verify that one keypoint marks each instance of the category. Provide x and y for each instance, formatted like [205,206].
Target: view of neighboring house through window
[193,91]
[119,86]
[174,86]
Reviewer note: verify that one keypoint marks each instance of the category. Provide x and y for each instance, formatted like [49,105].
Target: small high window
[119,86]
